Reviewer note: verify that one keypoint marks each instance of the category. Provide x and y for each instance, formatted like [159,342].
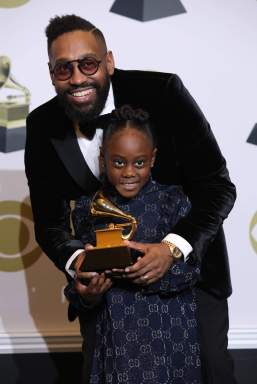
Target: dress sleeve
[180,276]
[82,222]
[84,231]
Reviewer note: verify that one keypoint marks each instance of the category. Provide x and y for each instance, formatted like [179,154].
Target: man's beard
[78,113]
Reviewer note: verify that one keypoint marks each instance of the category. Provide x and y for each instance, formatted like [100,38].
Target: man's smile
[82,95]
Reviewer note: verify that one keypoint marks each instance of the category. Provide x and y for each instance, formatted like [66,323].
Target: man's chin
[85,112]
[80,113]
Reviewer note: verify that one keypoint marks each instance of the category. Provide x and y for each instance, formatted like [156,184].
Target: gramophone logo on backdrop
[145,10]
[14,108]
[18,249]
[252,139]
[12,3]
[253,232]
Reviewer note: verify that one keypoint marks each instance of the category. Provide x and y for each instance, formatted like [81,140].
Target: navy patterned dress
[145,335]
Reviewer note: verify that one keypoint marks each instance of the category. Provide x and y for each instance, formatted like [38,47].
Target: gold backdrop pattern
[18,249]
[12,3]
[253,227]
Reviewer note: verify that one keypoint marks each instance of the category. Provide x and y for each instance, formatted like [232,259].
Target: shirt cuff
[71,272]
[180,242]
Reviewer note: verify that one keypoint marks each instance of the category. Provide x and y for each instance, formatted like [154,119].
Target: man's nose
[77,76]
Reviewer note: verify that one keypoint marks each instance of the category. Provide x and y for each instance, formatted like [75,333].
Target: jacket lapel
[121,90]
[66,146]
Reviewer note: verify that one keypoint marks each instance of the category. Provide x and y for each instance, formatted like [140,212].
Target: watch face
[177,254]
[175,251]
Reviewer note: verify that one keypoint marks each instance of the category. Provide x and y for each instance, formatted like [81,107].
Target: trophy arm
[133,226]
[12,83]
[8,81]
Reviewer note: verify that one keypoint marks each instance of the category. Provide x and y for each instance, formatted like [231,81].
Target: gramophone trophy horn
[101,206]
[110,251]
[14,108]
[8,81]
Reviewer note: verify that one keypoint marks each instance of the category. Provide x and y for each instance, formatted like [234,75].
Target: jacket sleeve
[203,170]
[181,275]
[51,210]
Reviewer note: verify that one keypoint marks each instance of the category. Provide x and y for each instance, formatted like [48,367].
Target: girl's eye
[139,163]
[118,163]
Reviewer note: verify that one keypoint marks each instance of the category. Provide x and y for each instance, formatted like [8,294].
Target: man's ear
[153,157]
[110,63]
[50,72]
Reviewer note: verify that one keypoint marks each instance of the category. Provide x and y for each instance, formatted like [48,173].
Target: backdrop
[211,44]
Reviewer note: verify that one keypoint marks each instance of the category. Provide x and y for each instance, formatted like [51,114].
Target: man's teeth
[81,93]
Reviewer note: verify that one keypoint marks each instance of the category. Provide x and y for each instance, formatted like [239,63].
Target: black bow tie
[88,128]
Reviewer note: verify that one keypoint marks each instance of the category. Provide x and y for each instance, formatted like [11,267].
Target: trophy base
[102,259]
[12,139]
[12,126]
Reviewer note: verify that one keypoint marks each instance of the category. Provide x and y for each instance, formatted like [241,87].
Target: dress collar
[112,193]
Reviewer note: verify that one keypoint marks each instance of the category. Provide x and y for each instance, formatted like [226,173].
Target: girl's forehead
[129,133]
[129,142]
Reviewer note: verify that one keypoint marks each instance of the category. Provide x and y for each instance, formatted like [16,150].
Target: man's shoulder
[146,75]
[45,110]
[152,85]
[137,74]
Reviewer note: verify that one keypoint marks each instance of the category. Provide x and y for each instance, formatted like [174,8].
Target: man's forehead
[76,44]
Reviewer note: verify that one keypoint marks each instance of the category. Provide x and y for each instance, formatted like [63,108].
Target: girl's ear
[101,161]
[153,157]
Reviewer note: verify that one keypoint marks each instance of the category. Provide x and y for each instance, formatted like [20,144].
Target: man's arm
[203,171]
[50,208]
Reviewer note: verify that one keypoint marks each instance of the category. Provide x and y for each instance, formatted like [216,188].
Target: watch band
[174,250]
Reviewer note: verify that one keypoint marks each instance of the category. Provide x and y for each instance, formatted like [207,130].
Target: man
[61,160]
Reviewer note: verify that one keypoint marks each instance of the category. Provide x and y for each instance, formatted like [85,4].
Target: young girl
[144,333]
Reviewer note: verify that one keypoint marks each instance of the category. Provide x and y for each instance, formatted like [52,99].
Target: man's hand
[152,266]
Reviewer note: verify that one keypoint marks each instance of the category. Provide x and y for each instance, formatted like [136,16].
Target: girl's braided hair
[127,117]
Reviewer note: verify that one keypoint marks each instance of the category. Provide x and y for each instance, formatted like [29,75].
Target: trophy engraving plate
[102,259]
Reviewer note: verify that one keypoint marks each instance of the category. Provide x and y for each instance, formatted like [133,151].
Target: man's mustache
[80,86]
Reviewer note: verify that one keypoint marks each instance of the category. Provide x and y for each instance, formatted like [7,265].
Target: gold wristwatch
[174,250]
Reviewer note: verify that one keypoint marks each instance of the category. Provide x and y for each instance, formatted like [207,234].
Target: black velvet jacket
[188,154]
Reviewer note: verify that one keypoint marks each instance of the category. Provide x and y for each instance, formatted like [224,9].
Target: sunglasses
[88,66]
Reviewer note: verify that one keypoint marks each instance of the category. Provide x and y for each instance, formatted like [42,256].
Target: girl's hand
[95,288]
